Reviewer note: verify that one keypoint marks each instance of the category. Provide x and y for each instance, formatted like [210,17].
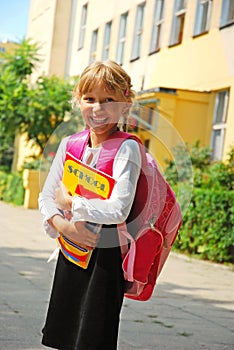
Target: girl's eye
[109,99]
[89,99]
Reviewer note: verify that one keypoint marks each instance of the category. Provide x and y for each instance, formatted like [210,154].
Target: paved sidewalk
[191,309]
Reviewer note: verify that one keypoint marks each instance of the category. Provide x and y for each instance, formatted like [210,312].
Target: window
[147,144]
[2,51]
[143,115]
[121,38]
[147,114]
[202,22]
[138,28]
[157,26]
[82,26]
[219,124]
[178,22]
[93,48]
[227,15]
[106,42]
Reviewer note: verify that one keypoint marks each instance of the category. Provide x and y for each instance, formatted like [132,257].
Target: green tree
[200,158]
[14,95]
[35,109]
[48,103]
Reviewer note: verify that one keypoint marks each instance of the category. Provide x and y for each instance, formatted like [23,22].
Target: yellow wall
[185,117]
[24,151]
[9,47]
[49,26]
[203,64]
[192,118]
[198,64]
[60,41]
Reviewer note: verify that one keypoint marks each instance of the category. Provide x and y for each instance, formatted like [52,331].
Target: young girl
[85,304]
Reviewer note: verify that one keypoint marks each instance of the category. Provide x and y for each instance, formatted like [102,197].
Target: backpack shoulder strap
[77,143]
[110,148]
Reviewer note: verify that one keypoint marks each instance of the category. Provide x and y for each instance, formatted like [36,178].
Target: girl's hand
[67,214]
[76,232]
[84,236]
[63,198]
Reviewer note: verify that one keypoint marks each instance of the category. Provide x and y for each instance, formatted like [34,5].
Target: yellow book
[83,180]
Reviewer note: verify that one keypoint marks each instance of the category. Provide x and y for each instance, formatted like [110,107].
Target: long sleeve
[126,170]
[46,200]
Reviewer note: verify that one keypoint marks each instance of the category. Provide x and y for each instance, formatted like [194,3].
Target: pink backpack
[148,234]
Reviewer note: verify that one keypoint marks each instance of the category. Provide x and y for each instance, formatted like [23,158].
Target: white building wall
[203,63]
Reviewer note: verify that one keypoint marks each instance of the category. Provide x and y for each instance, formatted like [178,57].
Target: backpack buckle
[152,222]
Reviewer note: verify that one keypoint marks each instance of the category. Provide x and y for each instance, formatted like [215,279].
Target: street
[191,308]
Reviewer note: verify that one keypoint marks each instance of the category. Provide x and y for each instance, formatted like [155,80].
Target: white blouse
[126,170]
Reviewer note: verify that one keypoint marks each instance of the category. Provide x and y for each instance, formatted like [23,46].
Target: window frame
[123,21]
[137,34]
[177,29]
[202,19]
[225,21]
[83,22]
[219,124]
[93,46]
[106,41]
[155,42]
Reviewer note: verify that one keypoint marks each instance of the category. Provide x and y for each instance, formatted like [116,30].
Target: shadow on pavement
[177,317]
[25,285]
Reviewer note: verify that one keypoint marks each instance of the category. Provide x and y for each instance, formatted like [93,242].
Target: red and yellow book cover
[83,180]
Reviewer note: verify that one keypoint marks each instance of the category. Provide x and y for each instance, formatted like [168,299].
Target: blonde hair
[108,72]
[113,76]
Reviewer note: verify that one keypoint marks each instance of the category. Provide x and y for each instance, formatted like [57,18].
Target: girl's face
[101,109]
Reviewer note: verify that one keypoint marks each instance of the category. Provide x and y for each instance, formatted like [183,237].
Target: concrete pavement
[191,309]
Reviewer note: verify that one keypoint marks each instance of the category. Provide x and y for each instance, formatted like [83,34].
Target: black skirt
[85,305]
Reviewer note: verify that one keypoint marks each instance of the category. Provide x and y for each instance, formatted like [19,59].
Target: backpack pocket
[147,247]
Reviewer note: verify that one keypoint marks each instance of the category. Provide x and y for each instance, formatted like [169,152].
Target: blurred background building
[179,53]
[7,47]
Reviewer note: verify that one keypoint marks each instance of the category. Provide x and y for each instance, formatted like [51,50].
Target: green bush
[199,156]
[3,183]
[35,164]
[12,188]
[208,224]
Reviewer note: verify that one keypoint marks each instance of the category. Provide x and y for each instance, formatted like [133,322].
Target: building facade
[179,53]
[7,47]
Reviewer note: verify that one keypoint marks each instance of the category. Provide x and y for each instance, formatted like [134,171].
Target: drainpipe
[70,37]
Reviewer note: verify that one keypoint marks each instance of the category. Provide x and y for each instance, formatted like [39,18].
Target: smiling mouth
[99,120]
